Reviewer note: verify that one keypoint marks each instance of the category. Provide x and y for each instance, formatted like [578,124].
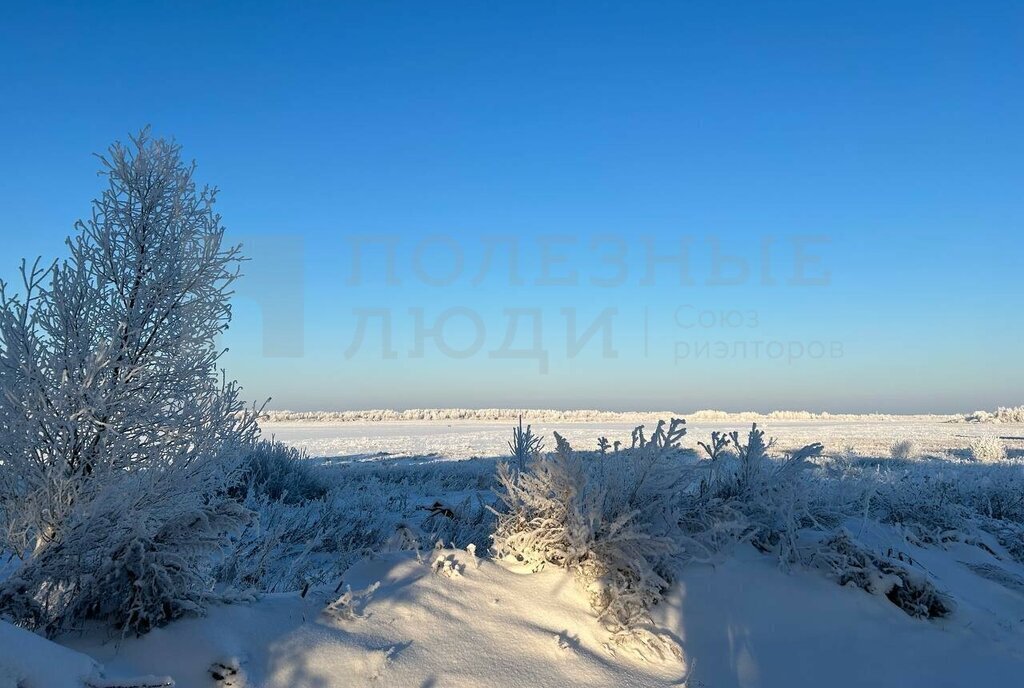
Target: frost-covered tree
[108,358]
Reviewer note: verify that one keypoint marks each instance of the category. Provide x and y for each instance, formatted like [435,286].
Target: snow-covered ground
[447,617]
[460,623]
[742,624]
[29,661]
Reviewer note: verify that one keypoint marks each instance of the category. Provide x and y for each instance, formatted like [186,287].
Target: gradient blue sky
[893,129]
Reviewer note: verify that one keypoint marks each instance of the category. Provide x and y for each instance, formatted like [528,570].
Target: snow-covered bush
[903,450]
[747,494]
[750,464]
[119,433]
[1010,414]
[852,564]
[466,523]
[795,507]
[288,546]
[924,500]
[368,507]
[578,511]
[608,519]
[1003,414]
[624,522]
[282,473]
[987,449]
[524,445]
[136,555]
[932,502]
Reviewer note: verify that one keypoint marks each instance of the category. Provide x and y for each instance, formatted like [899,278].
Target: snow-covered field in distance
[459,438]
[595,416]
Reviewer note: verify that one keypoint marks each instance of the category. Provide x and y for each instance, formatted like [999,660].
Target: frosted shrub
[987,450]
[119,433]
[368,507]
[772,498]
[524,445]
[1010,414]
[852,564]
[932,502]
[751,457]
[135,556]
[468,523]
[927,502]
[623,522]
[903,450]
[795,506]
[608,519]
[282,473]
[1004,414]
[288,546]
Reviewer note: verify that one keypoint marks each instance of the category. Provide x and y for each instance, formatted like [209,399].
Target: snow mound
[28,660]
[31,661]
[397,620]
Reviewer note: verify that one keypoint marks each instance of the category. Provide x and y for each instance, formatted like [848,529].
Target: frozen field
[460,439]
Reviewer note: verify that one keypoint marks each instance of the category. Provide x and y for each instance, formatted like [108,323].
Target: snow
[480,623]
[29,661]
[450,617]
[742,623]
[459,439]
[745,623]
[507,415]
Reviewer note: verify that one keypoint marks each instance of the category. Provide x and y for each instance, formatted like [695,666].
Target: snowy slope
[29,661]
[483,626]
[743,623]
[746,624]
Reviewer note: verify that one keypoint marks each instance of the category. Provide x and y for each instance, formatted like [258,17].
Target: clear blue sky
[891,129]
